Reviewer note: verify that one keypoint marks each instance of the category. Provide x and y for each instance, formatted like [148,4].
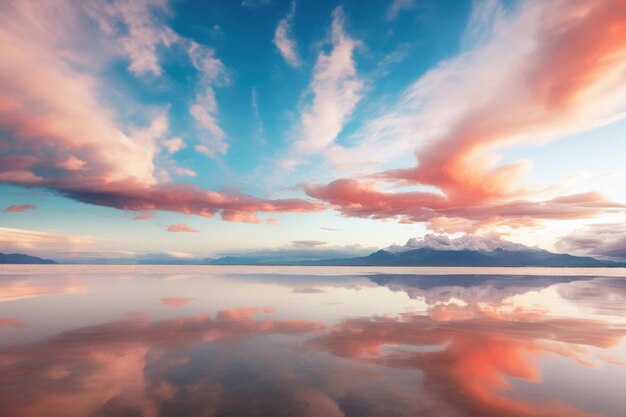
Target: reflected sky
[128,341]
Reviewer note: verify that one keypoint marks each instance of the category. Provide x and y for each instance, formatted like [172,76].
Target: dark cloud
[603,240]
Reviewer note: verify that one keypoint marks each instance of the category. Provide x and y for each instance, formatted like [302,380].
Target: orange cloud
[176,302]
[180,227]
[12,323]
[355,199]
[16,208]
[143,216]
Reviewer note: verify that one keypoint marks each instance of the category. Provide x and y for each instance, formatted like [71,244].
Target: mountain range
[20,258]
[467,257]
[431,250]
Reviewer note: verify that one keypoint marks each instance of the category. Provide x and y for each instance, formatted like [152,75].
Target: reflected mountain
[469,288]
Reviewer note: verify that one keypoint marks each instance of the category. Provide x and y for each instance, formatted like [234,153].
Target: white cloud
[185,172]
[204,107]
[41,243]
[397,6]
[142,35]
[336,90]
[486,243]
[174,145]
[283,39]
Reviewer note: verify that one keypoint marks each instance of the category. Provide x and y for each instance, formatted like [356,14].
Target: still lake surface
[311,341]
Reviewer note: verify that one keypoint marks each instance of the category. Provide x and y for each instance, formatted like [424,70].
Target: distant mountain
[430,250]
[518,255]
[469,257]
[20,258]
[235,260]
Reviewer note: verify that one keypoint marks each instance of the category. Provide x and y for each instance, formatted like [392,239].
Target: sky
[199,128]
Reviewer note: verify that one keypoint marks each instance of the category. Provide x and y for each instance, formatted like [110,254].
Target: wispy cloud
[180,227]
[7,322]
[174,145]
[176,302]
[307,243]
[398,6]
[19,208]
[283,39]
[336,90]
[254,4]
[356,199]
[134,22]
[204,107]
[186,172]
[38,242]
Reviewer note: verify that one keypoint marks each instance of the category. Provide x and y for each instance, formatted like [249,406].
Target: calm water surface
[311,341]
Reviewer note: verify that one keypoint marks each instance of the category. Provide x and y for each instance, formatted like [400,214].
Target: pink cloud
[176,302]
[356,199]
[17,208]
[560,73]
[564,84]
[12,323]
[143,216]
[37,242]
[180,227]
[239,216]
[54,106]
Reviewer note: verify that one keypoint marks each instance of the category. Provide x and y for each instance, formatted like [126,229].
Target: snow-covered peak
[484,243]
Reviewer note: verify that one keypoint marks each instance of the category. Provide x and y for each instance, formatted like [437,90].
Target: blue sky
[352,124]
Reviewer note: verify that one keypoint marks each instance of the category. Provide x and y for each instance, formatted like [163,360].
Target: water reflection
[467,363]
[472,345]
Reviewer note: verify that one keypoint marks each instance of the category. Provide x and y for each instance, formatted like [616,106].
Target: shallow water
[311,341]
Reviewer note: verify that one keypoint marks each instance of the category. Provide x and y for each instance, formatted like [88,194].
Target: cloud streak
[180,227]
[355,199]
[17,240]
[19,208]
[336,90]
[283,39]
[176,302]
[607,240]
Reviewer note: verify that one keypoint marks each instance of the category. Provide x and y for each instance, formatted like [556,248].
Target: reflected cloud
[470,363]
[470,353]
[601,295]
[18,287]
[113,369]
